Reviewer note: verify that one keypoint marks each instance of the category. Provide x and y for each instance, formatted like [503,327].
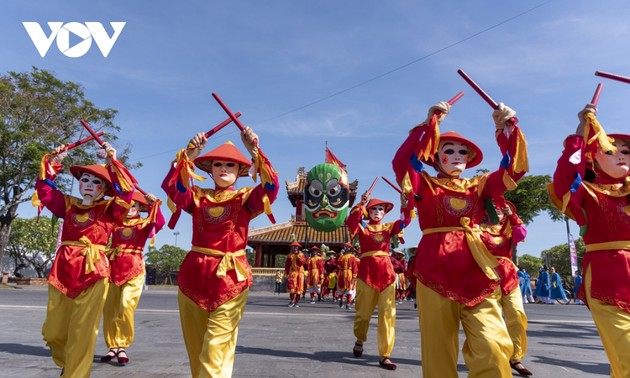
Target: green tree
[530,263]
[32,243]
[166,260]
[39,112]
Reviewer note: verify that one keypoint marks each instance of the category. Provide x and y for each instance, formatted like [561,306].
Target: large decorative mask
[326,197]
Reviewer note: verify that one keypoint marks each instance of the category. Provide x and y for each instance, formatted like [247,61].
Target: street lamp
[176,233]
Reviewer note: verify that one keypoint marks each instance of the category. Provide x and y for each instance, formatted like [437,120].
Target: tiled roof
[285,233]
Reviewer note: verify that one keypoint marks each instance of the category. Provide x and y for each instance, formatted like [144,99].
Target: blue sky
[355,74]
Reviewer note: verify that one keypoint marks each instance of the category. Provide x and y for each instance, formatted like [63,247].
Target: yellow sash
[486,261]
[117,251]
[615,245]
[374,253]
[228,262]
[90,251]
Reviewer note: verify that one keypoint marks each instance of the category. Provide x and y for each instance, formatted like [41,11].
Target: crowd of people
[462,274]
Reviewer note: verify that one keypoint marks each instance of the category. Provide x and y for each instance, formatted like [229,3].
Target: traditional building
[269,242]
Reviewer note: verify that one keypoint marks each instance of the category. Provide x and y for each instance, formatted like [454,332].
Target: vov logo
[85,32]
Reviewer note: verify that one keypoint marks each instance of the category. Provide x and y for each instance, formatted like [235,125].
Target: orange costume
[315,268]
[347,275]
[78,277]
[215,277]
[599,205]
[294,271]
[127,274]
[455,272]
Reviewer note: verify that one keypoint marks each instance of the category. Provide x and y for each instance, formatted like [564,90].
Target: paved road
[277,341]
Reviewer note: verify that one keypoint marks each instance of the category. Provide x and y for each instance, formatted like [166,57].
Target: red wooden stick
[450,102]
[607,75]
[229,112]
[369,191]
[598,91]
[396,188]
[82,141]
[94,135]
[478,89]
[141,191]
[220,126]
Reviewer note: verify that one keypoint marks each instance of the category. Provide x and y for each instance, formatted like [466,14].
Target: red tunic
[348,268]
[69,273]
[294,271]
[444,261]
[220,222]
[128,243]
[376,271]
[602,208]
[500,245]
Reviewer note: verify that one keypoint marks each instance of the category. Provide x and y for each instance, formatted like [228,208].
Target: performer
[330,275]
[376,277]
[215,277]
[457,281]
[526,286]
[400,266]
[315,267]
[557,289]
[347,276]
[591,185]
[294,271]
[576,287]
[543,286]
[501,239]
[77,283]
[127,275]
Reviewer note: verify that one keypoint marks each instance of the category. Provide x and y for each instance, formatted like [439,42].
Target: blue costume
[557,290]
[525,284]
[576,287]
[543,286]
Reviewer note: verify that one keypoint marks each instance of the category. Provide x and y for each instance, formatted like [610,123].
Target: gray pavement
[278,341]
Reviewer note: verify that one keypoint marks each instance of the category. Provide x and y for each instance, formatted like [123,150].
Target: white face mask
[133,210]
[91,188]
[614,164]
[224,173]
[377,212]
[452,157]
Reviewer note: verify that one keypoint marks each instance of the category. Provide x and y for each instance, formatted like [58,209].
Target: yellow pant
[71,327]
[487,348]
[516,322]
[118,313]
[613,326]
[367,299]
[210,337]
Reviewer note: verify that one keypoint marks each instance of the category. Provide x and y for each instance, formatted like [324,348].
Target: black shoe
[357,351]
[386,363]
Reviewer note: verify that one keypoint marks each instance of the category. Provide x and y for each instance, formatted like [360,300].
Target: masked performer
[78,277]
[315,278]
[457,280]
[592,186]
[376,278]
[128,274]
[501,239]
[215,277]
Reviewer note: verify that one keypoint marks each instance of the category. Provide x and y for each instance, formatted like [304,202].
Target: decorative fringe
[124,178]
[520,161]
[594,136]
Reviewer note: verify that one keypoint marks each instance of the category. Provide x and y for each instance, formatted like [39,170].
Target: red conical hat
[474,152]
[228,152]
[139,198]
[295,244]
[97,170]
[374,201]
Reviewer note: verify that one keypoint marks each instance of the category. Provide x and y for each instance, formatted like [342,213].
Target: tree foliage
[165,260]
[32,244]
[39,112]
[531,264]
[530,199]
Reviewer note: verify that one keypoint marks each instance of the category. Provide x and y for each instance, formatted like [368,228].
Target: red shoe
[109,356]
[518,366]
[122,359]
[386,363]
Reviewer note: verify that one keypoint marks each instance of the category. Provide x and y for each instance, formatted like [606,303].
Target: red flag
[332,159]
